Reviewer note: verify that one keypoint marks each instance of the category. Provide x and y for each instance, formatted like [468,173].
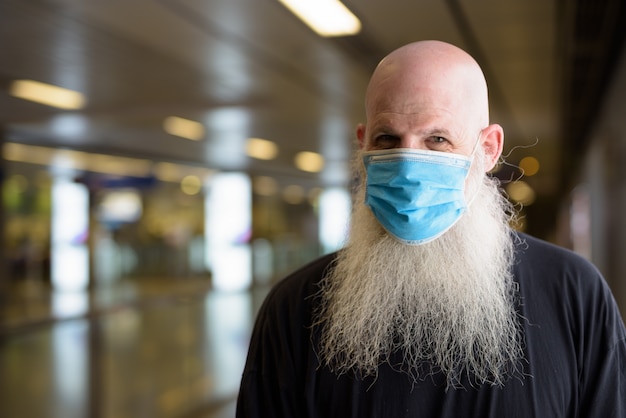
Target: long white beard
[447,306]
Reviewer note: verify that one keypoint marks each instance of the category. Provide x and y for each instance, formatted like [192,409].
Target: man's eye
[385,141]
[438,143]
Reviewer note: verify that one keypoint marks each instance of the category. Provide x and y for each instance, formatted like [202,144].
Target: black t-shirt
[575,347]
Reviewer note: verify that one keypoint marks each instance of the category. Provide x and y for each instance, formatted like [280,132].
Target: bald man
[435,307]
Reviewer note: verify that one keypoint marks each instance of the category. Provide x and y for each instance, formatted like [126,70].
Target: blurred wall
[605,184]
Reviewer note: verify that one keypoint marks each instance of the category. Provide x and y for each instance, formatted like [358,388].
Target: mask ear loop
[476,144]
[472,155]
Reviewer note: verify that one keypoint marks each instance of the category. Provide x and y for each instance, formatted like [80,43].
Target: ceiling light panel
[47,94]
[326,17]
[184,128]
[261,149]
[311,162]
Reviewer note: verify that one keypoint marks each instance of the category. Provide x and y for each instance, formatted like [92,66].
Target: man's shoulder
[561,270]
[544,253]
[309,274]
[302,284]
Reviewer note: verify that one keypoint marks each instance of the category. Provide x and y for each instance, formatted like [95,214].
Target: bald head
[428,86]
[431,68]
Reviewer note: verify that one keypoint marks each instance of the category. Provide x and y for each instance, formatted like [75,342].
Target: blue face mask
[416,195]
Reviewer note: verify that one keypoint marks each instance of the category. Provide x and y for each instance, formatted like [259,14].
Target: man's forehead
[409,95]
[428,109]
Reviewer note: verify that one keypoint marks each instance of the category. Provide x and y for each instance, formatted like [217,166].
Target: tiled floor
[144,348]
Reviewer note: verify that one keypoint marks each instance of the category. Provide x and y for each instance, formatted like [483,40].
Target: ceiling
[249,68]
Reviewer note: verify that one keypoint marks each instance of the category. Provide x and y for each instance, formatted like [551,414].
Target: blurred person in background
[436,307]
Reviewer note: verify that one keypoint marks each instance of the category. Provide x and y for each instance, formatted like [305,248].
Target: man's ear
[492,142]
[360,134]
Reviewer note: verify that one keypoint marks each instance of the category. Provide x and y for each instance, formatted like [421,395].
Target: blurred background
[164,162]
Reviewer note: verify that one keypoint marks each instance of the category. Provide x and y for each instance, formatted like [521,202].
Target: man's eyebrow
[386,128]
[436,131]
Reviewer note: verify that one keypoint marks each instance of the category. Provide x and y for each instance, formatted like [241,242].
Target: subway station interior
[204,151]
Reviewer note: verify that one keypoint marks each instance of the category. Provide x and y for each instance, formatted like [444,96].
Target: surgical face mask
[416,195]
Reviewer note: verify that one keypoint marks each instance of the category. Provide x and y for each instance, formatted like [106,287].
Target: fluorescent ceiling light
[191,185]
[265,186]
[174,173]
[326,17]
[78,160]
[184,128]
[261,149]
[47,94]
[521,192]
[101,163]
[311,162]
[529,166]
